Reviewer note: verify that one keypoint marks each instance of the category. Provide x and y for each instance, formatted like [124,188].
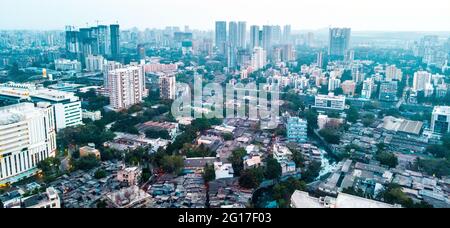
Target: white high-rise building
[27,136]
[259,58]
[368,88]
[333,84]
[109,66]
[440,120]
[95,63]
[126,87]
[392,73]
[421,79]
[167,86]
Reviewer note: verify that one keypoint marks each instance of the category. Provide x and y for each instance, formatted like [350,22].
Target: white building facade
[27,136]
[126,87]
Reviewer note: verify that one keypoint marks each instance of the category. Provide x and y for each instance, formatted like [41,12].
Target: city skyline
[201,14]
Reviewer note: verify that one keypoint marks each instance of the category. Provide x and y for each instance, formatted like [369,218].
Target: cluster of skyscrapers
[254,49]
[100,40]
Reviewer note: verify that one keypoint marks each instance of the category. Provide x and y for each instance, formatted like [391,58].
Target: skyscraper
[287,30]
[103,40]
[221,36]
[267,40]
[254,36]
[242,34]
[72,43]
[339,41]
[319,59]
[277,34]
[115,41]
[127,87]
[233,35]
[233,39]
[27,136]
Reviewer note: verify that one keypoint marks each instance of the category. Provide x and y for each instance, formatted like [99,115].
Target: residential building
[87,151]
[48,199]
[126,87]
[421,79]
[95,63]
[131,175]
[223,171]
[393,73]
[368,88]
[333,84]
[388,91]
[297,130]
[167,86]
[259,58]
[349,87]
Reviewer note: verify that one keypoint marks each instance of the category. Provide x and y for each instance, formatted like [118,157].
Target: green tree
[251,178]
[438,151]
[85,163]
[312,172]
[172,164]
[227,137]
[237,160]
[386,158]
[155,134]
[331,136]
[273,169]
[284,190]
[100,174]
[352,115]
[209,173]
[394,195]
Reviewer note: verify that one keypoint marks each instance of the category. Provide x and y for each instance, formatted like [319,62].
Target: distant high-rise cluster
[243,49]
[100,40]
[339,41]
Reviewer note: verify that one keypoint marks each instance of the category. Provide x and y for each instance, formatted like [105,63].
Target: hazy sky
[364,15]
